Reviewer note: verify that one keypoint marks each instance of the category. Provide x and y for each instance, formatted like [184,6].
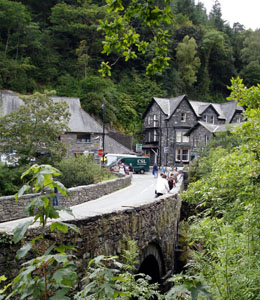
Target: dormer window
[211,119]
[183,117]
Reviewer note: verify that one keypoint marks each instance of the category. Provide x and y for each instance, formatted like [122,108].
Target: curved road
[141,191]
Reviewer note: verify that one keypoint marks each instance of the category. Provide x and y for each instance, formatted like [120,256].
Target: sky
[246,12]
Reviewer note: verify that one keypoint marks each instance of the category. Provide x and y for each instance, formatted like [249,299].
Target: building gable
[183,115]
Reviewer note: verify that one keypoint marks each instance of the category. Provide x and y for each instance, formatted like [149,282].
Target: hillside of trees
[56,44]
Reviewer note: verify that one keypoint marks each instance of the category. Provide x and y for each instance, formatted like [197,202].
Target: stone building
[176,127]
[84,134]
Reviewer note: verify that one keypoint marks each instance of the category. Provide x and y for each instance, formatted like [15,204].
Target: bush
[81,170]
[10,181]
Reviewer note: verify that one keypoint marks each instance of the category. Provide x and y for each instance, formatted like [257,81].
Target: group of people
[123,169]
[166,181]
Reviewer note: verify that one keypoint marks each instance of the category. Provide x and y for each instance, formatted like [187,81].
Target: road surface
[141,191]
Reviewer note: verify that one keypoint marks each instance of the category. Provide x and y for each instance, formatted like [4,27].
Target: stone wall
[12,210]
[155,223]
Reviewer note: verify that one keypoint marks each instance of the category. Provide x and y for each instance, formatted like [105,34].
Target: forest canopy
[60,45]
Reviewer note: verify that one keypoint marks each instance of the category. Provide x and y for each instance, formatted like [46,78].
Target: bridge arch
[152,262]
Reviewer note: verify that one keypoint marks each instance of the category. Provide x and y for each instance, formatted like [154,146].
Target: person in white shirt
[162,186]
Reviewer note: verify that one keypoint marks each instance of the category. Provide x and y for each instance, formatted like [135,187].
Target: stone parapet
[12,210]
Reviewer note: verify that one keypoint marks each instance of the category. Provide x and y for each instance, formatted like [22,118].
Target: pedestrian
[175,174]
[162,186]
[55,201]
[131,169]
[122,169]
[171,182]
[155,171]
[163,169]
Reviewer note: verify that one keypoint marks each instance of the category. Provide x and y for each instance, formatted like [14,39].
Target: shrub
[10,181]
[81,170]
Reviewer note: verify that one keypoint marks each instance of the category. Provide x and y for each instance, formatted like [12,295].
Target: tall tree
[215,16]
[250,55]
[188,62]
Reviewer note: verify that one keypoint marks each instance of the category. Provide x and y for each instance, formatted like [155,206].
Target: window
[149,120]
[196,141]
[155,121]
[155,136]
[204,118]
[83,138]
[183,117]
[208,118]
[182,154]
[181,138]
[206,139]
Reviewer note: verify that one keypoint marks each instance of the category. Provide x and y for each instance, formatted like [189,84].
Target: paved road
[141,191]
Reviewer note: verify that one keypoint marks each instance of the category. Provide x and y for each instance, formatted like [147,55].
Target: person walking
[55,201]
[155,171]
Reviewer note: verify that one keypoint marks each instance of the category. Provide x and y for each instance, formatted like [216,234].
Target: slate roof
[213,128]
[224,110]
[169,105]
[80,121]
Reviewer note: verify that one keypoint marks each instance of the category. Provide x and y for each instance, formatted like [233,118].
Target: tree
[123,39]
[188,63]
[215,16]
[224,236]
[35,128]
[216,57]
[250,55]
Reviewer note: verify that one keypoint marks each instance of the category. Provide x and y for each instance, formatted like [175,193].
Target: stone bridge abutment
[152,225]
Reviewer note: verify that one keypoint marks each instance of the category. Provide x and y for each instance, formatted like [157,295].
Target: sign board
[138,147]
[100,152]
[165,149]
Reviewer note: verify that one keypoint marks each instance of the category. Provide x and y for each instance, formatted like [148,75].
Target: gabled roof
[80,121]
[213,128]
[167,105]
[224,110]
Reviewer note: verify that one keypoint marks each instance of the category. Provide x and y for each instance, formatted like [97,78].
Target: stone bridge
[154,226]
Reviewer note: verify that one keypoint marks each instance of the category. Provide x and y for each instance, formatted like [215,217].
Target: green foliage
[35,126]
[45,277]
[188,63]
[10,179]
[2,295]
[81,170]
[56,45]
[122,38]
[107,278]
[50,276]
[223,143]
[223,238]
[187,287]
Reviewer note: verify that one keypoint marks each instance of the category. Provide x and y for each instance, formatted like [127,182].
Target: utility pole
[103,134]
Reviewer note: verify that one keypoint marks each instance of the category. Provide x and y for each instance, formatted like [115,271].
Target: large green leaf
[20,230]
[59,226]
[22,190]
[24,250]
